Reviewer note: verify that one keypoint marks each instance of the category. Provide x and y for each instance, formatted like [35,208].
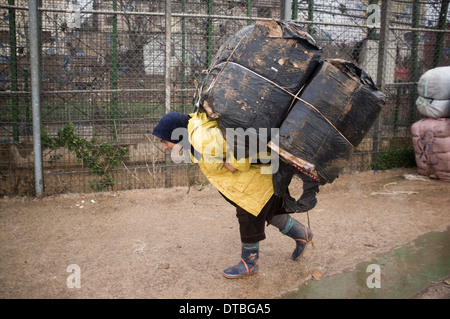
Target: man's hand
[230,168]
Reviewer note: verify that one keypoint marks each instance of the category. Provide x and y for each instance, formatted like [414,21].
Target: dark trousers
[252,228]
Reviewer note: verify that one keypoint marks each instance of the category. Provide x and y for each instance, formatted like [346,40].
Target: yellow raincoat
[247,187]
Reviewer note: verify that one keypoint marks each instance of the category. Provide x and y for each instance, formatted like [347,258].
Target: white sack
[435,83]
[433,108]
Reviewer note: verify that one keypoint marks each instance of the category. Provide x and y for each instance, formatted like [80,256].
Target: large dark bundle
[334,112]
[270,75]
[344,95]
[256,74]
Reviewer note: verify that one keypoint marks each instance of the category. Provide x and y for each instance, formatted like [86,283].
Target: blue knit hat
[168,124]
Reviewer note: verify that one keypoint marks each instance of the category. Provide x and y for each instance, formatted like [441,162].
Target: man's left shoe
[301,234]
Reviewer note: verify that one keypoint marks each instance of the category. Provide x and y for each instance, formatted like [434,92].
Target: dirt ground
[168,243]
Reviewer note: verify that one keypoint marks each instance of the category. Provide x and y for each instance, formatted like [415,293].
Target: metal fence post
[35,66]
[183,57]
[294,9]
[382,54]
[114,70]
[441,36]
[13,61]
[414,58]
[209,30]
[168,59]
[371,33]
[249,11]
[311,17]
[384,42]
[287,10]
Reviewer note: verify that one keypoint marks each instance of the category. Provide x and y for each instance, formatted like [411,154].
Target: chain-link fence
[113,68]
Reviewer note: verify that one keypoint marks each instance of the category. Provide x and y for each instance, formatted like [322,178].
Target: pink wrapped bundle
[431,141]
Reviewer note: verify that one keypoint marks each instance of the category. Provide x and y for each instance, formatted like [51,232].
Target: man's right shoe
[247,266]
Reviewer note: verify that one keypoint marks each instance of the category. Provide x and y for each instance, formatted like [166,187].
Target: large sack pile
[431,135]
[271,75]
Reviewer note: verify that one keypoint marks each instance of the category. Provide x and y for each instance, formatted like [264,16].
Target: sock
[250,246]
[283,222]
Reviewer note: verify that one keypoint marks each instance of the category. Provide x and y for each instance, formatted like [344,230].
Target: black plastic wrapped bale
[246,99]
[255,76]
[279,51]
[332,115]
[346,96]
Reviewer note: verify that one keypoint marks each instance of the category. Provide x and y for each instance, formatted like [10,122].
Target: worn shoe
[301,234]
[247,266]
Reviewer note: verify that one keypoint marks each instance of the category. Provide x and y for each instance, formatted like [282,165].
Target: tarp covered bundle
[331,116]
[256,74]
[271,75]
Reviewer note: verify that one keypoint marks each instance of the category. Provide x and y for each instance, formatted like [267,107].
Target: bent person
[240,182]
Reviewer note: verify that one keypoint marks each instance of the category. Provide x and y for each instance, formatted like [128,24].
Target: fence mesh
[104,68]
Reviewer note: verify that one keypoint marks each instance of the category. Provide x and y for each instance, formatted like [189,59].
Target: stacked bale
[330,117]
[271,75]
[431,135]
[255,75]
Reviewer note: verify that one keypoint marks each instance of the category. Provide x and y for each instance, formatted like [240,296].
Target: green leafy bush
[395,157]
[99,157]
